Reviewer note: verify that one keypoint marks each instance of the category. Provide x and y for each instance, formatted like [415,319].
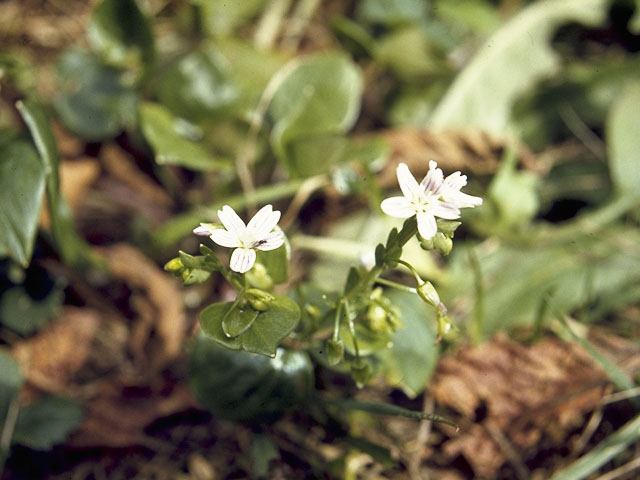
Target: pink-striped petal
[264,221]
[398,207]
[231,220]
[242,259]
[204,229]
[225,238]
[432,181]
[271,241]
[444,210]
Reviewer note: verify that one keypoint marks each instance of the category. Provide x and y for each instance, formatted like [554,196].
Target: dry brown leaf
[56,353]
[76,178]
[121,167]
[465,150]
[120,412]
[159,332]
[509,395]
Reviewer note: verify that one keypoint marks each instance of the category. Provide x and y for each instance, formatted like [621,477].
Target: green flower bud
[335,351]
[426,244]
[259,277]
[258,299]
[446,329]
[377,317]
[429,294]
[360,372]
[185,273]
[174,265]
[442,243]
[448,226]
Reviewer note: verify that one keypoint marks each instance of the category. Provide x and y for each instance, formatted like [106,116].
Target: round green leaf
[22,184]
[247,387]
[237,320]
[199,87]
[161,129]
[265,333]
[91,101]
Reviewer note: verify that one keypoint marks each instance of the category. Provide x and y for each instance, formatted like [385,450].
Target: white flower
[435,196]
[257,234]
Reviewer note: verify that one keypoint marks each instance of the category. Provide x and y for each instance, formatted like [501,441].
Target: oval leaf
[263,336]
[237,320]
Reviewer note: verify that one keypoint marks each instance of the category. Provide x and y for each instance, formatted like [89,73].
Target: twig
[269,24]
[582,132]
[297,24]
[306,190]
[422,438]
[620,471]
[505,445]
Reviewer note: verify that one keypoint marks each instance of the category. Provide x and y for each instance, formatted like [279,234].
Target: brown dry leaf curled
[509,395]
[56,353]
[159,332]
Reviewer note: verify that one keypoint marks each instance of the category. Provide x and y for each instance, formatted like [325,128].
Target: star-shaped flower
[258,234]
[435,196]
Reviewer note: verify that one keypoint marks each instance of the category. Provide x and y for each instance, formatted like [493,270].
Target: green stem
[352,327]
[336,322]
[396,285]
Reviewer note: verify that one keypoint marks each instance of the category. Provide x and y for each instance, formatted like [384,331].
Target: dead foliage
[158,333]
[510,396]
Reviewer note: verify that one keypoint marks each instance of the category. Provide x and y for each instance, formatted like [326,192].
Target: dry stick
[306,190]
[9,424]
[617,397]
[297,24]
[505,445]
[589,430]
[269,24]
[428,405]
[582,132]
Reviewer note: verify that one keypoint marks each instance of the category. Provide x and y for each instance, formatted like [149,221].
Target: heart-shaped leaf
[264,334]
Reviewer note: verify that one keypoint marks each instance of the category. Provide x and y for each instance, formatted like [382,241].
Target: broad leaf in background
[388,13]
[276,262]
[200,87]
[412,358]
[623,140]
[172,145]
[247,387]
[10,382]
[317,97]
[47,422]
[22,186]
[597,273]
[71,246]
[222,17]
[509,63]
[265,332]
[92,101]
[25,315]
[121,34]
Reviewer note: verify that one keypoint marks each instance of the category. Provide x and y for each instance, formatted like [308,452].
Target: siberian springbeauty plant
[259,320]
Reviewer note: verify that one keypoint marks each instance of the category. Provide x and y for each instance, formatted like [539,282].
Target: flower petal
[225,238]
[271,241]
[231,220]
[455,181]
[264,221]
[204,229]
[448,211]
[407,181]
[242,259]
[462,200]
[427,226]
[432,181]
[398,207]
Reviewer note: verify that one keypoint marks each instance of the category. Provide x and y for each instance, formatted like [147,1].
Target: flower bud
[426,243]
[360,372]
[446,329]
[377,317]
[335,351]
[442,243]
[429,294]
[448,226]
[174,265]
[258,299]
[259,277]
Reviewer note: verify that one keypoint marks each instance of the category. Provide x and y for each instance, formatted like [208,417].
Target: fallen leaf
[158,335]
[510,395]
[51,358]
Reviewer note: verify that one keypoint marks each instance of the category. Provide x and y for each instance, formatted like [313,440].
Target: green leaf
[22,185]
[47,422]
[317,96]
[411,360]
[91,100]
[71,246]
[623,140]
[26,315]
[389,13]
[264,335]
[10,382]
[407,53]
[170,144]
[315,155]
[276,262]
[222,17]
[511,61]
[121,34]
[200,87]
[237,320]
[245,386]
